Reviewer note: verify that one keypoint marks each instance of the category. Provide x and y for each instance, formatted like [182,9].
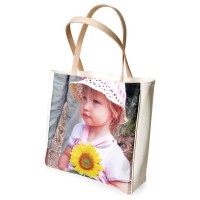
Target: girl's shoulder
[76,134]
[117,148]
[112,148]
[77,131]
[116,152]
[79,126]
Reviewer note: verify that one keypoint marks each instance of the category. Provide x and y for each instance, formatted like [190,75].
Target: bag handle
[105,29]
[85,26]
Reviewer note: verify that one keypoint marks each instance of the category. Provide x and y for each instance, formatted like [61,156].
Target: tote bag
[98,124]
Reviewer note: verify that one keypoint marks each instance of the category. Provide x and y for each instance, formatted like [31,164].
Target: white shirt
[116,166]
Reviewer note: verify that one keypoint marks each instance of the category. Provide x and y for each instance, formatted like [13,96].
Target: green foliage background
[132,101]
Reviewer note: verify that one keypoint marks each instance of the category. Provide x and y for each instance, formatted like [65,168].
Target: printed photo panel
[92,127]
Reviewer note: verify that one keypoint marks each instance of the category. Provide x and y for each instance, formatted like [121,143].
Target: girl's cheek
[81,107]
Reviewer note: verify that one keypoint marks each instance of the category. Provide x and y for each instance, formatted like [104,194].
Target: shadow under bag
[98,124]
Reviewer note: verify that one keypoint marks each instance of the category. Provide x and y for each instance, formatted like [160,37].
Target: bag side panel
[142,135]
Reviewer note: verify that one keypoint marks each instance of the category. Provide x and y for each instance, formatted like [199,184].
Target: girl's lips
[86,115]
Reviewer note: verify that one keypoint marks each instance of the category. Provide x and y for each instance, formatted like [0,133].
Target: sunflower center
[86,162]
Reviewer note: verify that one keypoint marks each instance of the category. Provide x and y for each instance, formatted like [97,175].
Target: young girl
[102,109]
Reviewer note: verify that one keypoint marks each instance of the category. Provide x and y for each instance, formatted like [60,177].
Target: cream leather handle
[93,10]
[85,26]
[105,29]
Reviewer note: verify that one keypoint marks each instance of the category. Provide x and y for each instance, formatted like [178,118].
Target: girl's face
[95,109]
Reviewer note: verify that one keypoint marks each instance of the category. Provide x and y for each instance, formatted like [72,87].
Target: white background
[163,42]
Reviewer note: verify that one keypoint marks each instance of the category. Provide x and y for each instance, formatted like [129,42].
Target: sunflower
[85,160]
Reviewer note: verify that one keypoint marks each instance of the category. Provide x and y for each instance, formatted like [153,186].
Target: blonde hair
[117,113]
[116,110]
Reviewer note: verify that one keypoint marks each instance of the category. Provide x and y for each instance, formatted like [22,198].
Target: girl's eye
[96,102]
[84,98]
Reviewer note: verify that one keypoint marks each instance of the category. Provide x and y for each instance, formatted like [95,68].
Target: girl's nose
[86,105]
